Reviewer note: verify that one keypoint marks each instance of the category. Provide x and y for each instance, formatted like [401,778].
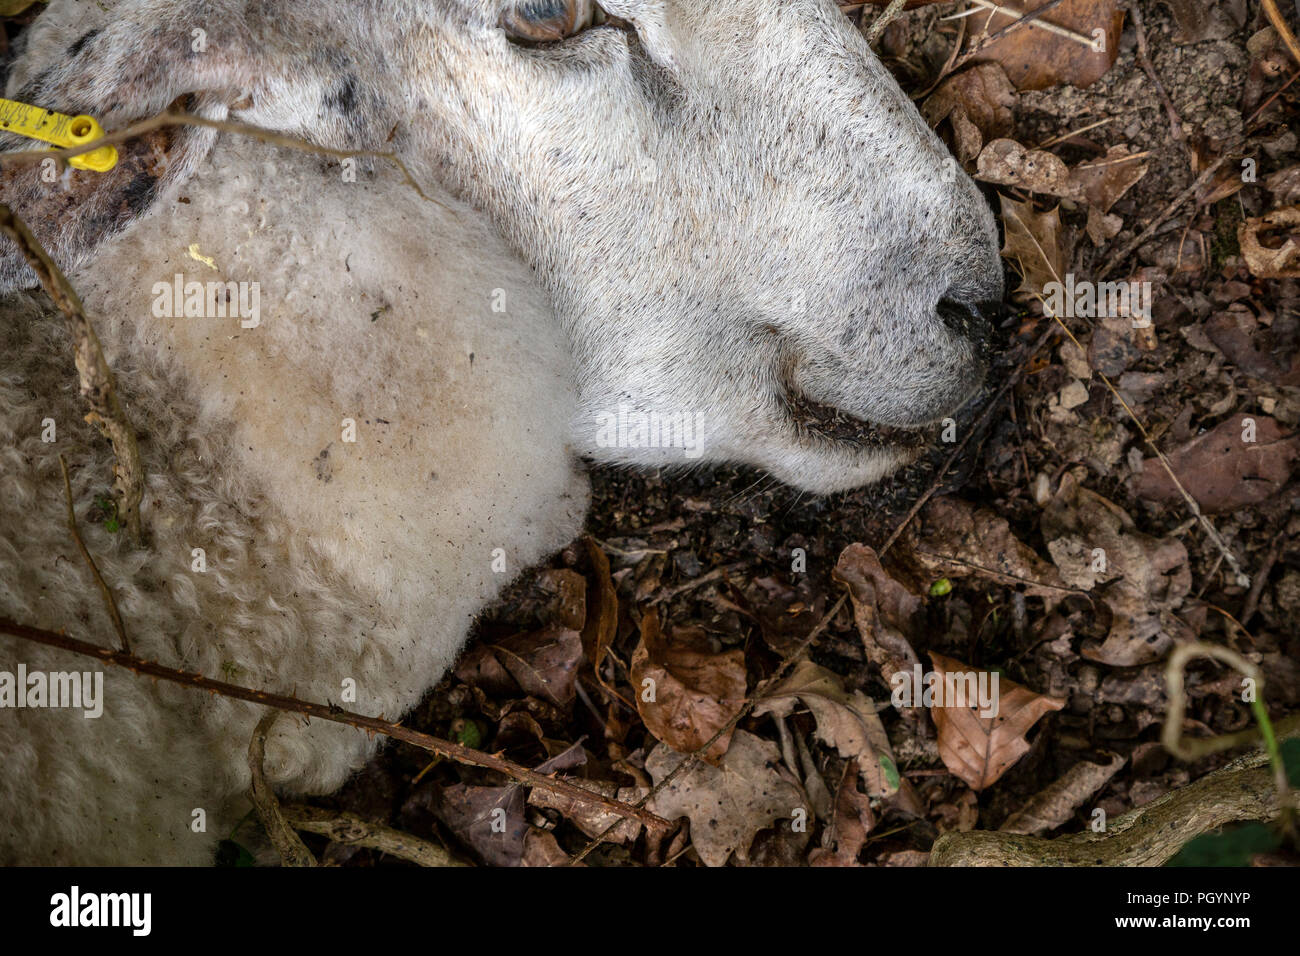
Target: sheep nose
[973,321]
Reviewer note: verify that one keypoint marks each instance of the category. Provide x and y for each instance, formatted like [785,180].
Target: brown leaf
[544,663]
[694,693]
[883,610]
[1055,805]
[1284,185]
[489,820]
[955,539]
[847,722]
[542,849]
[1221,470]
[1142,579]
[978,102]
[1270,244]
[1101,182]
[1266,353]
[569,605]
[978,749]
[589,817]
[1007,163]
[853,820]
[1035,59]
[602,610]
[727,804]
[1034,244]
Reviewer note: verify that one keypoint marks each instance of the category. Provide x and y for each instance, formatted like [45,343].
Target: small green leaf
[940,588]
[1227,847]
[891,772]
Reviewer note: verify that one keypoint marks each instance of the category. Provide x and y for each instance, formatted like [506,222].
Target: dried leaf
[1270,244]
[955,539]
[1142,579]
[883,610]
[693,692]
[489,820]
[847,722]
[1267,353]
[1056,804]
[544,663]
[853,820]
[1221,469]
[1007,163]
[978,749]
[729,803]
[589,817]
[1035,59]
[569,604]
[978,102]
[542,849]
[1034,244]
[602,610]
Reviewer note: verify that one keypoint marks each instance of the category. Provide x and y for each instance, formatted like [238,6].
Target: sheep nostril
[971,322]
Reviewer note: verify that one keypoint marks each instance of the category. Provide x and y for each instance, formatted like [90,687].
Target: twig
[97,384]
[1171,735]
[1144,60]
[1024,20]
[337,715]
[703,579]
[1261,578]
[1009,11]
[293,852]
[885,18]
[1073,133]
[1147,836]
[1279,24]
[104,590]
[1168,211]
[350,830]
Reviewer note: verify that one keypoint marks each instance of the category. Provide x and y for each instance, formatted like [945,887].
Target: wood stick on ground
[98,387]
[1148,836]
[350,830]
[105,591]
[338,715]
[293,852]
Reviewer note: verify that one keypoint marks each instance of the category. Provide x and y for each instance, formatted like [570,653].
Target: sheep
[657,234]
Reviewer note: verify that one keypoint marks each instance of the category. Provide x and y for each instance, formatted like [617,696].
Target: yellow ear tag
[59,129]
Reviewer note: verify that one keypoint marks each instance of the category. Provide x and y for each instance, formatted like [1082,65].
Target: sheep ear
[73,212]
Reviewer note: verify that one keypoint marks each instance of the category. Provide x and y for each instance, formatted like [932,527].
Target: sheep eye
[549,21]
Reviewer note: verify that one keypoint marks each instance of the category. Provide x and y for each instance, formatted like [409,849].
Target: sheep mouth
[836,425]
